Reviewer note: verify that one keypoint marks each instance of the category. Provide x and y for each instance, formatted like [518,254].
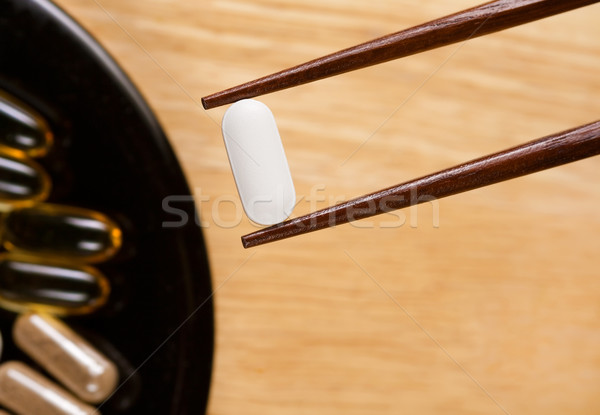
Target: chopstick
[478,21]
[544,153]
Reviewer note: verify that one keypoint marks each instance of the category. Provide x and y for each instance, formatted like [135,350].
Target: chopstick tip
[245,242]
[219,99]
[205,102]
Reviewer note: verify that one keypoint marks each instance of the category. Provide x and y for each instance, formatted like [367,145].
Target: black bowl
[111,155]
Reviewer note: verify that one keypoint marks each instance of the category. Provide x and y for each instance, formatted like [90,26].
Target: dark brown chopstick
[477,21]
[544,153]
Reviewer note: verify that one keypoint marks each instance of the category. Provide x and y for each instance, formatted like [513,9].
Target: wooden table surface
[482,303]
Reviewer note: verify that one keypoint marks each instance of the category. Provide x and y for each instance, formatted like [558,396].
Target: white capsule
[258,162]
[67,356]
[25,391]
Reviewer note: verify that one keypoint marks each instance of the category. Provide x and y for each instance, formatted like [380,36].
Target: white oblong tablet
[258,162]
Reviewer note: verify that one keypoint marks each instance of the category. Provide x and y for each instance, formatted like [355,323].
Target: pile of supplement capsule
[46,273]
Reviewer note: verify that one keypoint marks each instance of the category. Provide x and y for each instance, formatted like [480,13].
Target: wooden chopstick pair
[544,153]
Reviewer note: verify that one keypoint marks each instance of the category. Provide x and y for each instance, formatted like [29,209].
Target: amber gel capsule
[29,283]
[22,128]
[26,391]
[23,182]
[66,356]
[62,231]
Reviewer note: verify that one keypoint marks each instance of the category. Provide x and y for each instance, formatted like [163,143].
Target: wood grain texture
[468,24]
[505,288]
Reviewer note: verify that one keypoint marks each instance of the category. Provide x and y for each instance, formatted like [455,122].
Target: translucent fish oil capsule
[66,356]
[26,391]
[22,128]
[62,231]
[23,182]
[28,283]
[258,162]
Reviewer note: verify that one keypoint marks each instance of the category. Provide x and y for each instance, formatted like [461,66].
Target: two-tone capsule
[26,391]
[59,288]
[22,128]
[64,232]
[66,356]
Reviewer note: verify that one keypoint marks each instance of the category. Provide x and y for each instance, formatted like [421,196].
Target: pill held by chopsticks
[258,162]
